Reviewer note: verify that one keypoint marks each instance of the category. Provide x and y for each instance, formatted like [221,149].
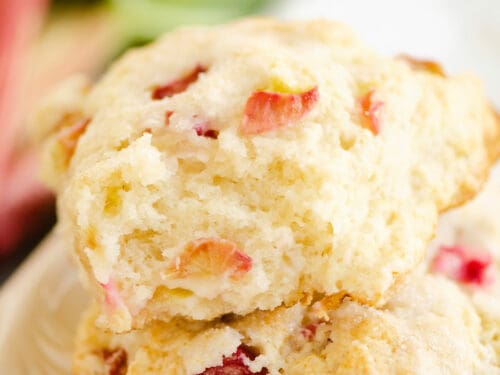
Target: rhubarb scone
[467,251]
[428,327]
[233,168]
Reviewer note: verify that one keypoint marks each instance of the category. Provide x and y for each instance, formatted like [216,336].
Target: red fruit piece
[370,111]
[265,111]
[112,295]
[115,360]
[203,130]
[424,65]
[309,331]
[464,265]
[68,136]
[168,114]
[234,365]
[207,257]
[179,85]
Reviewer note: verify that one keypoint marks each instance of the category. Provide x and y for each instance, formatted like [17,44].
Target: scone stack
[258,198]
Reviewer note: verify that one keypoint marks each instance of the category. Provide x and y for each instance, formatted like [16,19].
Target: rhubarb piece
[423,65]
[68,136]
[115,360]
[112,295]
[203,130]
[207,257]
[25,205]
[265,111]
[464,265]
[19,26]
[370,111]
[179,85]
[168,114]
[235,365]
[309,331]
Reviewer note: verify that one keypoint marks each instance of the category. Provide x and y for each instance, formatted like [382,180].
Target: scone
[467,250]
[443,322]
[428,327]
[234,168]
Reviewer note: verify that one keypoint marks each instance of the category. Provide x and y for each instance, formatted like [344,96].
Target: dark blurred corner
[43,42]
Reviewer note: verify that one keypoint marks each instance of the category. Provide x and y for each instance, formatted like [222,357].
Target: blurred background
[42,42]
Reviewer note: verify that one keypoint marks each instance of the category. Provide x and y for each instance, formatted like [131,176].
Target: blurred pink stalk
[23,200]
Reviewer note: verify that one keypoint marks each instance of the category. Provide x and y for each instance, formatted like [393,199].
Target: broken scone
[233,168]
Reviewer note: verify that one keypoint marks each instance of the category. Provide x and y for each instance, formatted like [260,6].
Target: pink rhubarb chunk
[115,361]
[464,265]
[112,295]
[25,204]
[235,365]
[168,114]
[309,331]
[207,257]
[203,130]
[68,136]
[179,85]
[423,65]
[265,111]
[370,111]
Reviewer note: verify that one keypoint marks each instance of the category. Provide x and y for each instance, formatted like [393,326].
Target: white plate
[39,309]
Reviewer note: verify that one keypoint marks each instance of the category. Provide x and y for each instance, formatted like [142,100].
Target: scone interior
[228,169]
